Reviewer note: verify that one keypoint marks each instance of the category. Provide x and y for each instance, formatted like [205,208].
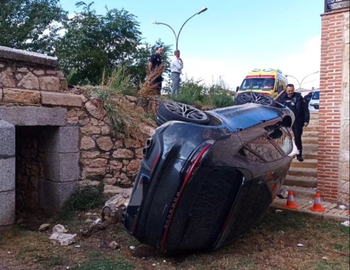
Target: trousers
[175,77]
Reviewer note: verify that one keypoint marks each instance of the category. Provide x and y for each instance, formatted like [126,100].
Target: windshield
[316,95]
[258,84]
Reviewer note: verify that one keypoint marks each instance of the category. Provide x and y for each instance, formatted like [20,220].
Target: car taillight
[155,162]
[196,160]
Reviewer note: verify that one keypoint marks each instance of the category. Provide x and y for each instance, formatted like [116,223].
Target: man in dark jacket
[154,62]
[299,107]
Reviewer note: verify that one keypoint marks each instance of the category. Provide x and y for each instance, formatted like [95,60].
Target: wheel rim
[186,111]
[257,98]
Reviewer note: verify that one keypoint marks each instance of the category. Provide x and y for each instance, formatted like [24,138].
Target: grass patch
[105,265]
[50,261]
[83,199]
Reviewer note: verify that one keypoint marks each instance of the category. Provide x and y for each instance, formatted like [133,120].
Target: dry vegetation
[271,246]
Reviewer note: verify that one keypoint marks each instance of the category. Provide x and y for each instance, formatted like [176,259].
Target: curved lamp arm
[154,22]
[197,13]
[307,76]
[287,75]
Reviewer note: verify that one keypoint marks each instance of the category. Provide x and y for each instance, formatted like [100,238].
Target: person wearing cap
[297,104]
[176,68]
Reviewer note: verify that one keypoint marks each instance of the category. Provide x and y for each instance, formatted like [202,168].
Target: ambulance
[265,81]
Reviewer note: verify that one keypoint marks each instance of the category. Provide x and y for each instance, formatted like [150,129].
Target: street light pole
[178,35]
[301,82]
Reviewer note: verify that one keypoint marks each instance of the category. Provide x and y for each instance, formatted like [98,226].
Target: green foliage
[82,200]
[121,83]
[195,93]
[220,97]
[105,265]
[96,43]
[192,92]
[30,24]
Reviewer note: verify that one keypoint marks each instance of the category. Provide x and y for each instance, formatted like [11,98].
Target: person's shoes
[300,158]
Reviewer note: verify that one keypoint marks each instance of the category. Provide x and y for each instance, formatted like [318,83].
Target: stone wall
[106,155]
[333,149]
[79,147]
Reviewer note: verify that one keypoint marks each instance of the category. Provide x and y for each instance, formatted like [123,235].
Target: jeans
[175,77]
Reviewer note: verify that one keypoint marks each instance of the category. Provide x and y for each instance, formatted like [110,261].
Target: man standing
[176,67]
[154,62]
[299,107]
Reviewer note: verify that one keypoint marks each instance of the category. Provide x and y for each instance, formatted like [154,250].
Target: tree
[94,44]
[30,24]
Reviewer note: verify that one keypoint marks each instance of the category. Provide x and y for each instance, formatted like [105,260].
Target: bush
[191,93]
[220,97]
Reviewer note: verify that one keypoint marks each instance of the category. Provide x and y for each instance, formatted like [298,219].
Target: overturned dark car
[209,177]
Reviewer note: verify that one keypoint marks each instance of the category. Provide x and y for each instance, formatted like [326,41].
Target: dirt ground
[283,241]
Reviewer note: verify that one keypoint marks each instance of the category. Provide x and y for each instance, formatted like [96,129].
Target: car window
[282,138]
[261,150]
[316,95]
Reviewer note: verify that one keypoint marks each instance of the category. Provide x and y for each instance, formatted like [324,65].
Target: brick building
[333,149]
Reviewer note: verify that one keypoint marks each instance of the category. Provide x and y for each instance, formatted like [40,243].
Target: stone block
[8,174]
[62,167]
[49,83]
[53,194]
[62,140]
[61,99]
[21,96]
[29,81]
[33,116]
[7,208]
[7,78]
[1,94]
[7,139]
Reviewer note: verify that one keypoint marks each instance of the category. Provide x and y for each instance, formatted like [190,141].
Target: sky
[232,37]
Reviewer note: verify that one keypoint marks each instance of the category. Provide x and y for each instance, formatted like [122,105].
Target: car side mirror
[237,88]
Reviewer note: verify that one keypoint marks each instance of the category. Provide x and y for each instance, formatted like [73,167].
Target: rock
[87,143]
[64,239]
[104,143]
[114,245]
[95,109]
[123,153]
[44,227]
[7,78]
[59,229]
[50,83]
[29,81]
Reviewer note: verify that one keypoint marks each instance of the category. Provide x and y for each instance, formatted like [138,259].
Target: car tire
[171,110]
[253,97]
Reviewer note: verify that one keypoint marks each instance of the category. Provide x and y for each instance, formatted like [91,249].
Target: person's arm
[149,67]
[177,63]
[150,63]
[305,112]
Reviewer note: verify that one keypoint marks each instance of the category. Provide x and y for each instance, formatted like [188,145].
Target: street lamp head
[154,22]
[202,10]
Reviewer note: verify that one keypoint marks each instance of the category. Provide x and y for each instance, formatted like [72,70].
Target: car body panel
[196,180]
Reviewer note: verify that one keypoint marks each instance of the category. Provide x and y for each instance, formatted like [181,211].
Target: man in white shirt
[176,67]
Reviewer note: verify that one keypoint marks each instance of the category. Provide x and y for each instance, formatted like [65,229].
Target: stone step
[310,147]
[309,140]
[311,128]
[301,181]
[307,163]
[310,133]
[305,172]
[302,192]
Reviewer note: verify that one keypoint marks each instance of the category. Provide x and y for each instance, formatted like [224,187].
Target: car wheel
[171,110]
[253,97]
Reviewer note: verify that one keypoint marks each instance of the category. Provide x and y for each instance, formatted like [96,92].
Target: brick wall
[332,177]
